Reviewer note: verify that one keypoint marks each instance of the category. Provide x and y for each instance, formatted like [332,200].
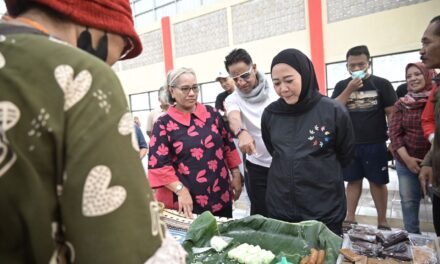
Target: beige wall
[385,32]
[391,31]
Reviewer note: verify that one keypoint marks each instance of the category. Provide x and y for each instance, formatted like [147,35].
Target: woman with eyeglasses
[310,138]
[193,162]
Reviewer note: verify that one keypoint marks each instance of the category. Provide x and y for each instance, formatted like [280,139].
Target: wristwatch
[239,130]
[179,187]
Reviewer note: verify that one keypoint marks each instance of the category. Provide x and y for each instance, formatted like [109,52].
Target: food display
[367,244]
[260,240]
[249,254]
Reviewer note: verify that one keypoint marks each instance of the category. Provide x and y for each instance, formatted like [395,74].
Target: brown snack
[362,260]
[374,261]
[305,260]
[350,255]
[313,256]
[321,257]
[420,255]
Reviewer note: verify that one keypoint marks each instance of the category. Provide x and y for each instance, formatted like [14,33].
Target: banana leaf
[293,240]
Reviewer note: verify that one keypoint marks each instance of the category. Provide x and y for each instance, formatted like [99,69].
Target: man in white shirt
[244,108]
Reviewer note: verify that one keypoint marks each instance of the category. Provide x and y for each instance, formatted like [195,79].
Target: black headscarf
[309,95]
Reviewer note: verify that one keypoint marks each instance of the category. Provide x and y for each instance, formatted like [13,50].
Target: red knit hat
[109,15]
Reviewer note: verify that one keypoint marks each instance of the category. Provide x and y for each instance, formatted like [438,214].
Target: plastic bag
[361,237]
[400,251]
[218,243]
[366,249]
[423,255]
[394,237]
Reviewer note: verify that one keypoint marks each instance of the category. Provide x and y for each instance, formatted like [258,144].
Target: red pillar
[167,45]
[317,42]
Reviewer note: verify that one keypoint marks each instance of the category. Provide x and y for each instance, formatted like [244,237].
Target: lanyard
[29,22]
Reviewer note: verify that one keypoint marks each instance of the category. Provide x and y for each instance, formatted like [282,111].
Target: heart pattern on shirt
[74,88]
[98,198]
[9,116]
[2,60]
[126,127]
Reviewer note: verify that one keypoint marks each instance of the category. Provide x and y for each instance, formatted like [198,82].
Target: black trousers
[436,213]
[257,183]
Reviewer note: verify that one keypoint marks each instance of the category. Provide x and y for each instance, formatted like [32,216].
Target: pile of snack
[369,245]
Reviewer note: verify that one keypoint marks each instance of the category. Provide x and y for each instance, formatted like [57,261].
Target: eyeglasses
[244,76]
[185,89]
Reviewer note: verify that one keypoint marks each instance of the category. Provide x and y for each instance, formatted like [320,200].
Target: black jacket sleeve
[345,139]
[265,131]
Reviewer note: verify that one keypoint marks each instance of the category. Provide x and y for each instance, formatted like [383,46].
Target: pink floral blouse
[197,150]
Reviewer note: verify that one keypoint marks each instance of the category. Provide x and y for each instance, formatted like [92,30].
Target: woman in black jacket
[310,138]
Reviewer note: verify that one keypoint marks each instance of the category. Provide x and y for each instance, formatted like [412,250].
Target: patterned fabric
[197,150]
[406,131]
[68,159]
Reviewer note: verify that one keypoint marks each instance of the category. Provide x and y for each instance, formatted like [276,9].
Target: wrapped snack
[395,237]
[418,240]
[364,230]
[399,251]
[219,243]
[366,249]
[423,255]
[399,247]
[361,237]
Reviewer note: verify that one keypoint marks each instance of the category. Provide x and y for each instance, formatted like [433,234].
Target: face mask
[358,74]
[84,42]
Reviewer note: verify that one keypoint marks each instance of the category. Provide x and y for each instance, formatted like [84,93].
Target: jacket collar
[184,118]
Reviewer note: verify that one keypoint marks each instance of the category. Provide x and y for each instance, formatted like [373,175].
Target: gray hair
[172,80]
[163,96]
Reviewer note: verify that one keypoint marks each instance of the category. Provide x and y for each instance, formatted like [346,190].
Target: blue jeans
[410,196]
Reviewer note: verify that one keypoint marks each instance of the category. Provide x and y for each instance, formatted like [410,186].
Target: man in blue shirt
[143,148]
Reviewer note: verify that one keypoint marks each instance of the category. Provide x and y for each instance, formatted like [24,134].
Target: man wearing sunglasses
[244,108]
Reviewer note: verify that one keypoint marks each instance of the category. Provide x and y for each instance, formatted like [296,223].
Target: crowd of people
[72,185]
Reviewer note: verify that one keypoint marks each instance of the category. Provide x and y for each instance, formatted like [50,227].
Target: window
[142,6]
[140,101]
[209,92]
[390,67]
[335,72]
[145,18]
[187,5]
[159,8]
[167,10]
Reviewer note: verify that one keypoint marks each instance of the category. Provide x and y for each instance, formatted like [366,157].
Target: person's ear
[171,91]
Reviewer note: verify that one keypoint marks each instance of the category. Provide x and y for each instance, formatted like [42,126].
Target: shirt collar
[184,118]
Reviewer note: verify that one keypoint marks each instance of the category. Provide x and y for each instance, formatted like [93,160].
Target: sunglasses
[244,76]
[185,89]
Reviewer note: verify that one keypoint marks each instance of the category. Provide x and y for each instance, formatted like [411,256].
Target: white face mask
[358,74]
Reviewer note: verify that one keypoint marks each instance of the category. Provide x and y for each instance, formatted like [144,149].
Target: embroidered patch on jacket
[319,136]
